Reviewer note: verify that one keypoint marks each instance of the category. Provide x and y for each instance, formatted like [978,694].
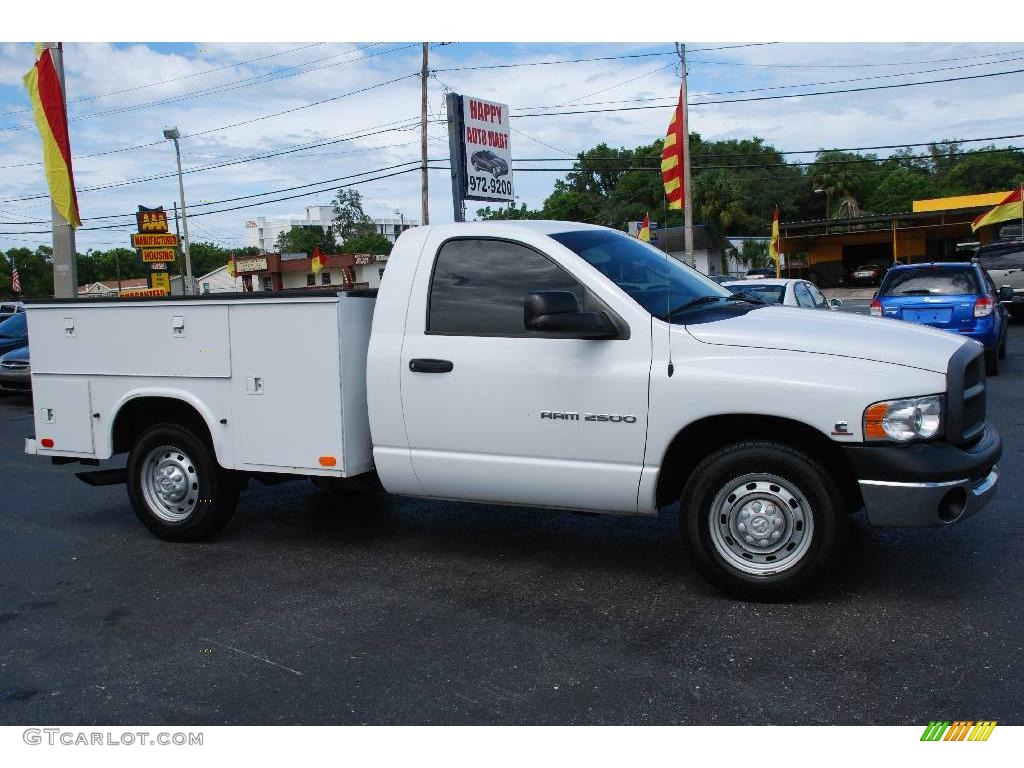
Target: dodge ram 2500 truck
[540,363]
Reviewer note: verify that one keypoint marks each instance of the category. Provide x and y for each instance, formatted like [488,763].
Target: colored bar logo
[958,730]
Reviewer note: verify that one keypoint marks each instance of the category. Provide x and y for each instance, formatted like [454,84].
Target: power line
[670,101]
[779,96]
[172,79]
[244,83]
[853,66]
[403,125]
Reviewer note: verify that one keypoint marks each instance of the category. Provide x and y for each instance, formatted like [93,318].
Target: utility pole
[687,192]
[65,266]
[174,135]
[423,136]
[177,231]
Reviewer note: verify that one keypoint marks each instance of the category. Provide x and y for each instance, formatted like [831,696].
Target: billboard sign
[146,240]
[487,151]
[158,255]
[151,220]
[160,280]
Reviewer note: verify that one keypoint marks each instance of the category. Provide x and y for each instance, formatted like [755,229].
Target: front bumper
[926,484]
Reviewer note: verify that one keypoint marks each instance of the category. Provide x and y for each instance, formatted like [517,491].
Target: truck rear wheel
[176,487]
[762,520]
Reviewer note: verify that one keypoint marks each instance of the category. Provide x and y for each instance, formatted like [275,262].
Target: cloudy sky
[325,111]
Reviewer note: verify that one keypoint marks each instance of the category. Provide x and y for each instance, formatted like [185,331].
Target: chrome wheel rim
[761,524]
[170,483]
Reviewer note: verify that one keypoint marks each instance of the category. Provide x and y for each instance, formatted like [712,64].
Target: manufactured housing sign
[488,152]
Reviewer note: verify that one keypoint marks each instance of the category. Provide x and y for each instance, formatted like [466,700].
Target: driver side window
[479,287]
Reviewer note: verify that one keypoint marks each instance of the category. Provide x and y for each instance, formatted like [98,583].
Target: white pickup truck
[538,363]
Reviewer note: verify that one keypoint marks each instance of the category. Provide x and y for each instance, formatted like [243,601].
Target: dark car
[15,371]
[485,160]
[13,333]
[868,274]
[10,308]
[957,297]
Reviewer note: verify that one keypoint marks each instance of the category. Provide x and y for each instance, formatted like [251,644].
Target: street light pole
[175,135]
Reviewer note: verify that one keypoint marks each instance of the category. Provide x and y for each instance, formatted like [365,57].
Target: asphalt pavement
[319,608]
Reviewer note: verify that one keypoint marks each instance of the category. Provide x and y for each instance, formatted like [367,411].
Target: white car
[785,291]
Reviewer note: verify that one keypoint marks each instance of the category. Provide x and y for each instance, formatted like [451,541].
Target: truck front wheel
[176,487]
[762,520]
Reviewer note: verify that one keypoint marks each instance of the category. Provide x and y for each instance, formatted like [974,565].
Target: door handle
[427,365]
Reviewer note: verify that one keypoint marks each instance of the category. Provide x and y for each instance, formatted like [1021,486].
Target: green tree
[754,254]
[35,270]
[899,189]
[719,201]
[350,220]
[374,243]
[304,239]
[506,213]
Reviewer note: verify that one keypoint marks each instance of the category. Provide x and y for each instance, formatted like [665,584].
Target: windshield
[14,326]
[924,282]
[654,280]
[769,294]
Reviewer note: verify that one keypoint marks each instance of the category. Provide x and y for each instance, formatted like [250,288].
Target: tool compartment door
[63,414]
[286,386]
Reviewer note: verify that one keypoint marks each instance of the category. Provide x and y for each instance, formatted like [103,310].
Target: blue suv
[958,297]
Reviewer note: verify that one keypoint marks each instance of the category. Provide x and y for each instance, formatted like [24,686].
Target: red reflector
[876,308]
[983,307]
[46,442]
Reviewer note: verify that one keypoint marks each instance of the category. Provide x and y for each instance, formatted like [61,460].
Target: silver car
[1004,263]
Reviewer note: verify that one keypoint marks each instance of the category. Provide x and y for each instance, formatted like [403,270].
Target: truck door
[497,413]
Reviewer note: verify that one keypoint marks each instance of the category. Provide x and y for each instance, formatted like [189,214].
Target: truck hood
[833,333]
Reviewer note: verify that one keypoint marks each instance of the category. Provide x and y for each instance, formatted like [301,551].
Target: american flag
[15,279]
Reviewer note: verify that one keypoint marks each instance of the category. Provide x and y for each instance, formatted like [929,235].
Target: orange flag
[51,118]
[773,244]
[672,157]
[644,233]
[319,260]
[1012,207]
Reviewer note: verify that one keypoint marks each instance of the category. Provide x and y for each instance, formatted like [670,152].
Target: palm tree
[718,199]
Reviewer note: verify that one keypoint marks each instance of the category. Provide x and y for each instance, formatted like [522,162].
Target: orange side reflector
[328,461]
[873,429]
[46,442]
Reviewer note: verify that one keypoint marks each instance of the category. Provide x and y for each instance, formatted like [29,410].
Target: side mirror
[1006,293]
[559,312]
[835,303]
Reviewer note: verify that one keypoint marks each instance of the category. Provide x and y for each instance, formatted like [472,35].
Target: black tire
[992,358]
[800,473]
[1002,346]
[213,490]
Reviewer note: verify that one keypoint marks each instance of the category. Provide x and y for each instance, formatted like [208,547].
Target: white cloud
[983,107]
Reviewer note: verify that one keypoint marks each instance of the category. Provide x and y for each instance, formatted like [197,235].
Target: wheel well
[705,436]
[141,412]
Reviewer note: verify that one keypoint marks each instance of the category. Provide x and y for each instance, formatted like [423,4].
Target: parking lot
[318,608]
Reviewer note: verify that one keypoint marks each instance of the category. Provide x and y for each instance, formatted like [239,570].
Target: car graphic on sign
[485,160]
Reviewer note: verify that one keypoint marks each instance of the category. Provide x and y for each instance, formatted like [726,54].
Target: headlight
[904,420]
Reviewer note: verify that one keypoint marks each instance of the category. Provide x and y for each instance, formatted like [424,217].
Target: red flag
[672,156]
[319,260]
[44,91]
